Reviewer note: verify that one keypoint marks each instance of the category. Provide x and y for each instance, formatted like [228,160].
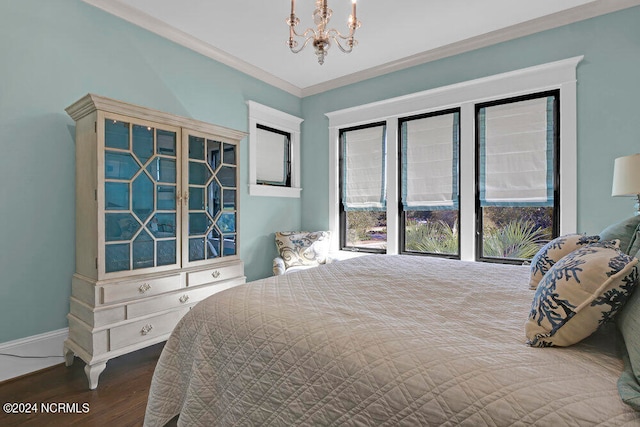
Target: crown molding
[143,20]
[558,19]
[548,22]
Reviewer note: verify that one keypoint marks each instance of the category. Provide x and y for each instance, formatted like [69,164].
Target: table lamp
[626,178]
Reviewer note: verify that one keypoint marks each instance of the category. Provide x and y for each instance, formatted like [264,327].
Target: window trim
[556,169]
[554,75]
[279,121]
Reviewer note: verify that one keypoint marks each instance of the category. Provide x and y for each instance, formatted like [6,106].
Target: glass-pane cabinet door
[141,173]
[212,198]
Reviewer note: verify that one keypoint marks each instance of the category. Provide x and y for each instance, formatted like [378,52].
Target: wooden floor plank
[119,400]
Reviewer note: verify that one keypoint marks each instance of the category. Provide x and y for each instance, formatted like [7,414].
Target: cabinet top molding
[91,102]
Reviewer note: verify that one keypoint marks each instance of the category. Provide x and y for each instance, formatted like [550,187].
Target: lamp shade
[626,176]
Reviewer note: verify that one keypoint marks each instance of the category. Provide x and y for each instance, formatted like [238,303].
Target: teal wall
[55,52]
[608,106]
[52,53]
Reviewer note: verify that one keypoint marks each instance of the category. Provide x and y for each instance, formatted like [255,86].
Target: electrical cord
[28,357]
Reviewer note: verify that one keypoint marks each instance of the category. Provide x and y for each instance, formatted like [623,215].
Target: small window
[274,152]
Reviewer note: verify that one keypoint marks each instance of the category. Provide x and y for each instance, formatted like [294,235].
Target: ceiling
[251,35]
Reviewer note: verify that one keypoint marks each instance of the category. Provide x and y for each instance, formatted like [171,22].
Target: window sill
[272,191]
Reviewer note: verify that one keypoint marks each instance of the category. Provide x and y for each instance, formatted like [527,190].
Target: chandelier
[321,36]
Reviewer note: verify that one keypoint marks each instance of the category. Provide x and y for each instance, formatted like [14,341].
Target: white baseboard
[47,344]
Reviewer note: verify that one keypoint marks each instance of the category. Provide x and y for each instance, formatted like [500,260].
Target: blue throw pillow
[624,231]
[628,322]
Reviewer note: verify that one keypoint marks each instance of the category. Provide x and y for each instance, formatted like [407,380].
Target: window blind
[364,168]
[273,157]
[430,162]
[516,153]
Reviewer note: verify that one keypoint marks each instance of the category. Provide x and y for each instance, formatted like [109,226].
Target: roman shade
[430,162]
[516,153]
[364,153]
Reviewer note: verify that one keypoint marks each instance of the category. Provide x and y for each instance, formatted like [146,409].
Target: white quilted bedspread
[381,341]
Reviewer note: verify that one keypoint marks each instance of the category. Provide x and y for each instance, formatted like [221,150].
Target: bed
[382,340]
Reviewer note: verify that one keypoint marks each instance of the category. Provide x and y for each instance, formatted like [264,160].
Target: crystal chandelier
[321,36]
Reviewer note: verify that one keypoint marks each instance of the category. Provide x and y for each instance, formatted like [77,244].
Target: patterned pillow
[579,293]
[553,251]
[299,248]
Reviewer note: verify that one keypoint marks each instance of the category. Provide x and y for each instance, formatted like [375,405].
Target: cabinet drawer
[145,329]
[139,289]
[215,274]
[177,299]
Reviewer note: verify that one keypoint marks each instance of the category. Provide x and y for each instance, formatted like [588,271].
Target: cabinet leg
[93,373]
[68,356]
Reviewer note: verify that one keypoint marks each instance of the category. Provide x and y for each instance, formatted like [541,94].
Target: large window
[429,175]
[517,172]
[363,199]
[470,171]
[516,179]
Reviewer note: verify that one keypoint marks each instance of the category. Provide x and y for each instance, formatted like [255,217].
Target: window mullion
[393,222]
[467,182]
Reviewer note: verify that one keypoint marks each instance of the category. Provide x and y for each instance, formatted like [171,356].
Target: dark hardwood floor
[119,400]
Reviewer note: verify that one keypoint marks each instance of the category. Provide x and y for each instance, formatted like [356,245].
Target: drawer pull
[184,298]
[215,274]
[144,288]
[146,329]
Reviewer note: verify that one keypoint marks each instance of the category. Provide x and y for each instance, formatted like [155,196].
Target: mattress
[382,340]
